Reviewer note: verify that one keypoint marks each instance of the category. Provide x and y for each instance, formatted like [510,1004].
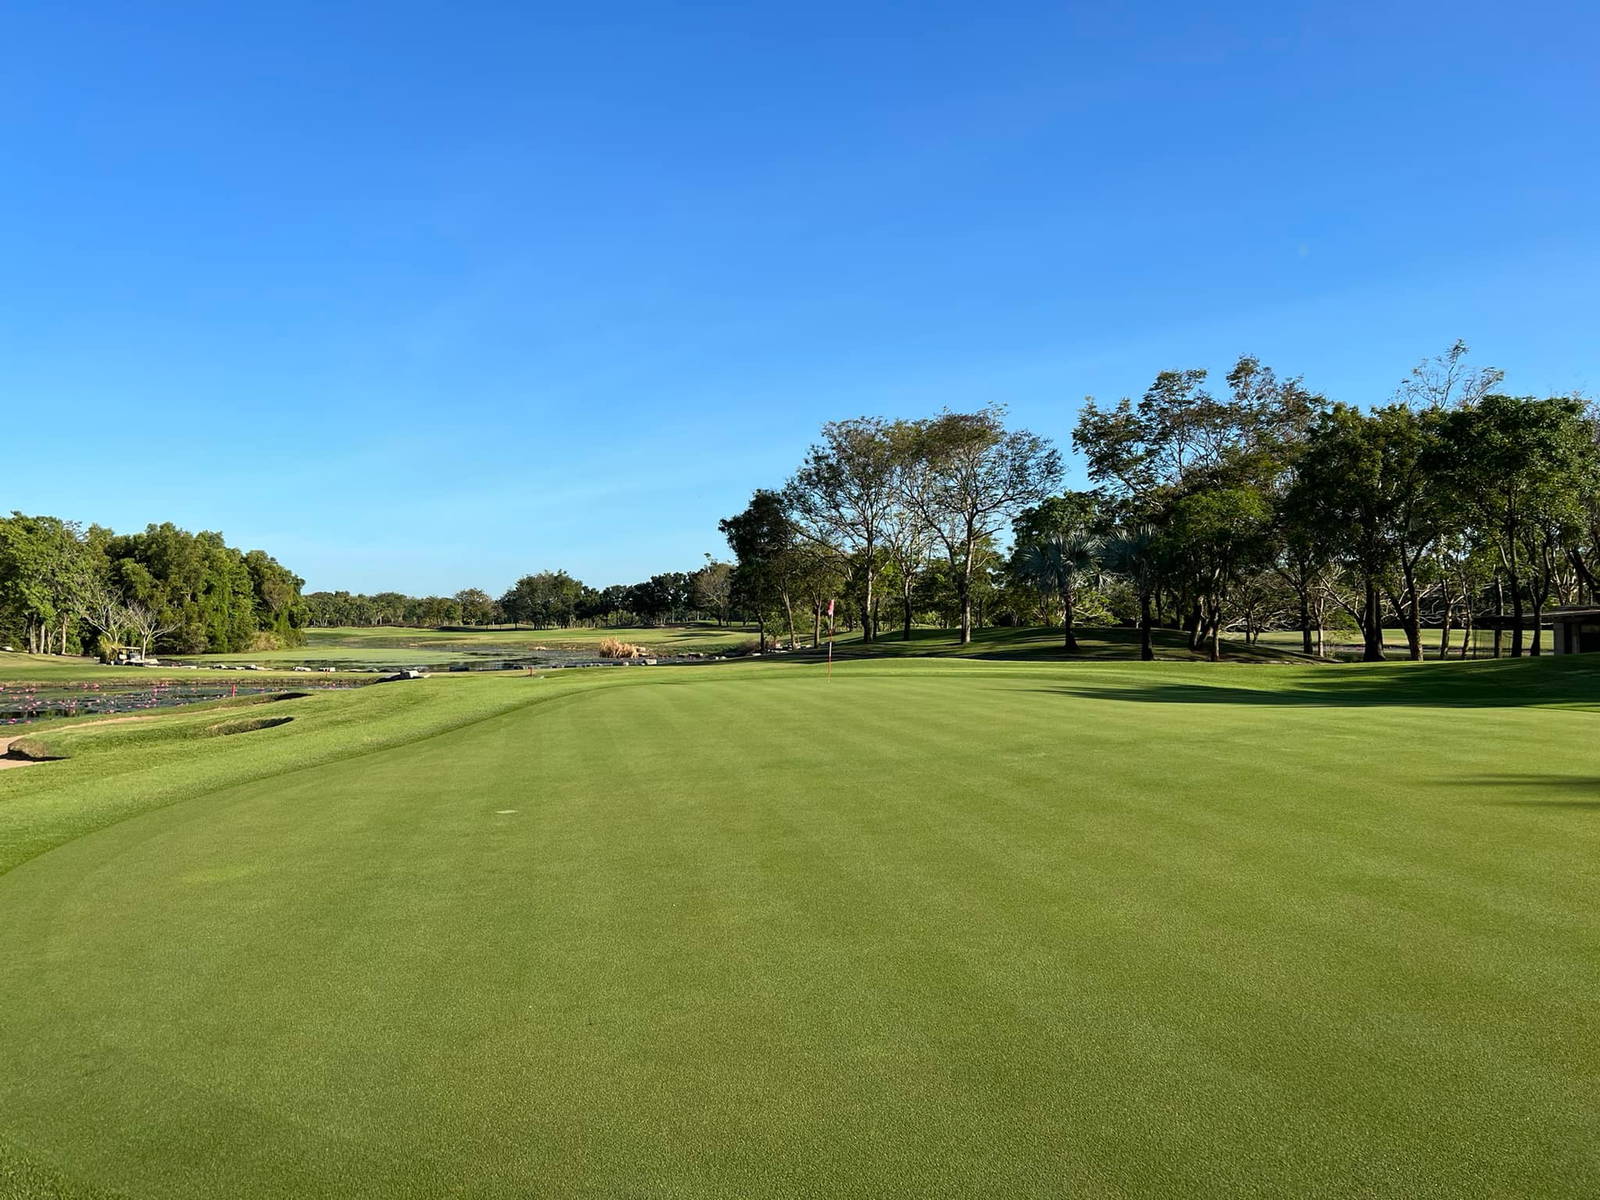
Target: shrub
[612,648]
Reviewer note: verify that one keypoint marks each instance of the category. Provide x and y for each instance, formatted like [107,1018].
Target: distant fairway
[385,646]
[931,928]
[390,646]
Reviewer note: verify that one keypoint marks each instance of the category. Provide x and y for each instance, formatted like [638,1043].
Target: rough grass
[928,928]
[612,648]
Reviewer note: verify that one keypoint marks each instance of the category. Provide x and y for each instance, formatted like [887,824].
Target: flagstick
[831,630]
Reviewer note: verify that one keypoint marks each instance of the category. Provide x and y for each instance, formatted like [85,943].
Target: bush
[612,648]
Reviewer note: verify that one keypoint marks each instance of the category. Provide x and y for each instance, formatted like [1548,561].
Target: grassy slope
[931,928]
[116,771]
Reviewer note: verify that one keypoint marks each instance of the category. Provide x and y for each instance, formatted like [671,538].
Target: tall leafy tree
[545,598]
[1223,533]
[1521,463]
[41,579]
[968,478]
[1366,488]
[843,496]
[1135,553]
[477,607]
[763,539]
[1055,549]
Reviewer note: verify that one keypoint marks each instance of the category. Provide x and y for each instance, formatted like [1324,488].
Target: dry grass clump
[612,648]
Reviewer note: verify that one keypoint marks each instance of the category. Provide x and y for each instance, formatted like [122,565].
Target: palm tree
[1057,564]
[1134,554]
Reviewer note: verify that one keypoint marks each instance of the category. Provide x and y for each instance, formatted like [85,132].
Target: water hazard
[22,704]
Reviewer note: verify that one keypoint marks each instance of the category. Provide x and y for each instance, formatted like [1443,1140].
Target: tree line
[70,589]
[545,599]
[1257,507]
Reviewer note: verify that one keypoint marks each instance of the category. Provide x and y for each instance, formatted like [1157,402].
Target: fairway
[388,646]
[926,928]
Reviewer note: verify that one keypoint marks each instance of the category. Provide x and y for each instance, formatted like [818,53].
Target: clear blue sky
[422,296]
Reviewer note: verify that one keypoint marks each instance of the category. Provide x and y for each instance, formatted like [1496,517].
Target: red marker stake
[830,639]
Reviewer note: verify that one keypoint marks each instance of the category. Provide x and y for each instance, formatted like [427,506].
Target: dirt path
[6,760]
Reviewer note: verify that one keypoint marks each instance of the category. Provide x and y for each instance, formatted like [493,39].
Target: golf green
[926,928]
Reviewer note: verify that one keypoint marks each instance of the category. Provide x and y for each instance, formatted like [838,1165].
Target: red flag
[830,610]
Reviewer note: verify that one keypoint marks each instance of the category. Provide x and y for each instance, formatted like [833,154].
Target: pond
[381,660]
[22,704]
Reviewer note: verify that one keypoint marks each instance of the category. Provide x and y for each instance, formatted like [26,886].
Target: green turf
[1346,643]
[1044,644]
[385,645]
[931,928]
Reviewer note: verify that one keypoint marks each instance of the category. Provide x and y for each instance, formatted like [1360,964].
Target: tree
[713,589]
[1135,554]
[477,607]
[279,608]
[200,589]
[1223,534]
[1420,508]
[546,598]
[1142,450]
[99,606]
[1179,439]
[966,478]
[1274,414]
[1446,381]
[844,494]
[1367,488]
[762,539]
[906,535]
[147,626]
[1056,549]
[40,567]
[1519,461]
[662,598]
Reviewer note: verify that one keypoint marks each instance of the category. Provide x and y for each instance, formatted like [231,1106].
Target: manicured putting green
[931,928]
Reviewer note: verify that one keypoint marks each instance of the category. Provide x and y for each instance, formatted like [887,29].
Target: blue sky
[424,296]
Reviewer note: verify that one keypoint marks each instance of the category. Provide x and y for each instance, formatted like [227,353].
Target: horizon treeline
[1257,506]
[544,599]
[1261,507]
[66,588]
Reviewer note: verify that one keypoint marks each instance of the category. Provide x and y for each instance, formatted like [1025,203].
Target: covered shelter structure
[1576,629]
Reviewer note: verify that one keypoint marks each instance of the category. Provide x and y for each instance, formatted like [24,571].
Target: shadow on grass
[1582,791]
[1506,683]
[1043,644]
